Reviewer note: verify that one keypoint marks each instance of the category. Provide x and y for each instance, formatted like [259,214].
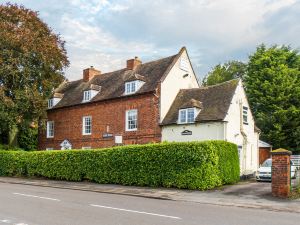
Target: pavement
[247,194]
[22,204]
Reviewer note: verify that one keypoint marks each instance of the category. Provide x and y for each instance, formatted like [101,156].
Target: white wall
[173,82]
[230,130]
[241,134]
[200,131]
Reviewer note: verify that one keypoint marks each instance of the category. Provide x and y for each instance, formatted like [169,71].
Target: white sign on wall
[118,139]
[65,145]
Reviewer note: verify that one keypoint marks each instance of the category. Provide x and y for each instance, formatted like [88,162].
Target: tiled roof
[112,84]
[215,101]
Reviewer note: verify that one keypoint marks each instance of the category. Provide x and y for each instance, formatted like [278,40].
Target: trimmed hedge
[192,165]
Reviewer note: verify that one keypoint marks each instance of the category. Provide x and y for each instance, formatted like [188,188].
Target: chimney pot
[133,63]
[89,73]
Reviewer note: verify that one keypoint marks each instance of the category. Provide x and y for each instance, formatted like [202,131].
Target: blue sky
[106,33]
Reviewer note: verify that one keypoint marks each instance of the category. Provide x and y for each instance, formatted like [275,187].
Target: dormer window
[87,95]
[133,86]
[50,103]
[56,97]
[90,92]
[187,115]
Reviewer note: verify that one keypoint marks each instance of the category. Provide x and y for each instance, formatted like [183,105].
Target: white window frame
[87,96]
[49,149]
[186,117]
[84,125]
[245,115]
[133,86]
[50,129]
[50,103]
[128,112]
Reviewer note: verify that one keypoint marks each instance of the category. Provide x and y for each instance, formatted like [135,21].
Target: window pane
[127,88]
[191,116]
[50,129]
[183,116]
[245,114]
[133,85]
[131,120]
[87,127]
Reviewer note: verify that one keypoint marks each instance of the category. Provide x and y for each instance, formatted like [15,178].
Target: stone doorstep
[213,197]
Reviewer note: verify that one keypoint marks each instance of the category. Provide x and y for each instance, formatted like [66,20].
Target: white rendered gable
[181,76]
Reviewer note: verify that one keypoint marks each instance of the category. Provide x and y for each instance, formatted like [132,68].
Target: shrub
[28,138]
[192,165]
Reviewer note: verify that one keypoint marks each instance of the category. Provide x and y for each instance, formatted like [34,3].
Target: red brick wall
[264,154]
[68,123]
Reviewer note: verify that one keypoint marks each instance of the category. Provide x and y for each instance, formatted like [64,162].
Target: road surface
[32,205]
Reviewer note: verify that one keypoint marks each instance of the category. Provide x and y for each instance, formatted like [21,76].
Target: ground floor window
[87,125]
[50,129]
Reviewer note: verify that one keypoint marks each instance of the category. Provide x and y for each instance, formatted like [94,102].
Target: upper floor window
[133,86]
[50,129]
[54,100]
[131,120]
[50,103]
[87,125]
[187,115]
[184,64]
[87,95]
[245,115]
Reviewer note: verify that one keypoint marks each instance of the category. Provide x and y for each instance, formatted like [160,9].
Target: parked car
[264,173]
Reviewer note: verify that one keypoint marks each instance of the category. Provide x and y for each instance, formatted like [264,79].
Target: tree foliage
[224,72]
[273,89]
[32,61]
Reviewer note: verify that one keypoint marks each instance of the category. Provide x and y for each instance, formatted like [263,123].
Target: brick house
[150,102]
[121,107]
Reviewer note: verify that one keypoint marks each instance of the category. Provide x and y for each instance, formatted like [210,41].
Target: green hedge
[192,165]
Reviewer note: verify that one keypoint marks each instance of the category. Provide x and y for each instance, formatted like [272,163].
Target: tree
[224,72]
[32,61]
[273,88]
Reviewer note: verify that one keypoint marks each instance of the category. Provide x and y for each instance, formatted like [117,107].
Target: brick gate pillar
[281,173]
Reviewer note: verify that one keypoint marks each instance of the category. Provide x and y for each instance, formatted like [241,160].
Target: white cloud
[105,33]
[89,45]
[90,6]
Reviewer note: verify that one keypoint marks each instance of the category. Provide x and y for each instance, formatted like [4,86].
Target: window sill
[131,130]
[132,93]
[87,134]
[50,137]
[186,123]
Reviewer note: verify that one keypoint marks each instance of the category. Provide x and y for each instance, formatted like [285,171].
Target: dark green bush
[192,165]
[28,138]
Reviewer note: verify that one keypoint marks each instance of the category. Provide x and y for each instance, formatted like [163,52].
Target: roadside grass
[295,194]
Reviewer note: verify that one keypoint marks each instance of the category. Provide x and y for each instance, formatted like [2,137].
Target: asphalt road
[31,205]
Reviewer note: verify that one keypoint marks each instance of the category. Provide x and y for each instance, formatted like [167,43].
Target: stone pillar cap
[281,151]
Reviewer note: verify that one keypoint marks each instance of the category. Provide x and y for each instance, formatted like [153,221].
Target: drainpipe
[244,138]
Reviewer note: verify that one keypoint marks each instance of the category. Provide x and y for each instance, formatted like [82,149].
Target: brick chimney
[133,63]
[89,73]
